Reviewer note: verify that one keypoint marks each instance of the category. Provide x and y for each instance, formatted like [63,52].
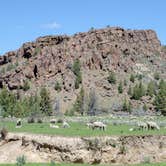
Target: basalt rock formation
[50,59]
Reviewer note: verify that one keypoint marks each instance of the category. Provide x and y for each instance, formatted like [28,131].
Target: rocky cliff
[50,59]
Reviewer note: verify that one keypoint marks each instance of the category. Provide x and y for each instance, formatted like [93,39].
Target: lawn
[78,129]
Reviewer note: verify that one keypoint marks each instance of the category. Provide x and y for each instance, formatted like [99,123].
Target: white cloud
[53,25]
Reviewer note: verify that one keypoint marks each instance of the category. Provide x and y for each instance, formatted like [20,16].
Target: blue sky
[25,20]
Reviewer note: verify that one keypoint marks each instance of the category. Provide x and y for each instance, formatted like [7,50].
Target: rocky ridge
[99,51]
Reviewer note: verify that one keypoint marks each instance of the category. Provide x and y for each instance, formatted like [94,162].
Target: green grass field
[78,129]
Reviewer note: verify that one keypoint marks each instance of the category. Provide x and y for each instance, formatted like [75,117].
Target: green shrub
[122,149]
[132,78]
[151,89]
[138,91]
[45,102]
[21,160]
[26,85]
[120,87]
[160,99]
[127,106]
[129,91]
[31,120]
[77,71]
[112,78]
[146,160]
[145,107]
[156,76]
[39,121]
[57,86]
[125,82]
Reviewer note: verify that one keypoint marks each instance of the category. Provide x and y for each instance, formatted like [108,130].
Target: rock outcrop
[100,50]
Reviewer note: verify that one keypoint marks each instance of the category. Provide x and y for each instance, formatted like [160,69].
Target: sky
[25,20]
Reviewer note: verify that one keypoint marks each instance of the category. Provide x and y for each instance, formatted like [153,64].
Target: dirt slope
[114,149]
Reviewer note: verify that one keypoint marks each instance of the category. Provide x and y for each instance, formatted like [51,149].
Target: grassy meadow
[78,129]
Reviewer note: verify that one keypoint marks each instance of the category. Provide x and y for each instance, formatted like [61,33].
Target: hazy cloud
[53,25]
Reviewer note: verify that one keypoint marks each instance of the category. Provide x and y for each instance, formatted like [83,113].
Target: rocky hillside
[50,59]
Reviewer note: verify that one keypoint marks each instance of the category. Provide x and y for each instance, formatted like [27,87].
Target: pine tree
[130,90]
[45,102]
[57,86]
[77,71]
[160,99]
[7,102]
[132,78]
[112,78]
[120,88]
[127,106]
[79,103]
[138,91]
[151,89]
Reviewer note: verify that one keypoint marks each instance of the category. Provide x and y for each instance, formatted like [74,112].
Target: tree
[120,88]
[26,85]
[7,102]
[57,107]
[57,86]
[127,106]
[145,107]
[156,76]
[138,91]
[160,99]
[132,78]
[92,102]
[130,90]
[77,71]
[151,89]
[79,103]
[45,102]
[125,82]
[112,78]
[141,90]
[33,104]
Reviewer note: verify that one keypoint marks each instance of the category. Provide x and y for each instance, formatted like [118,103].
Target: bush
[45,102]
[132,78]
[60,120]
[4,133]
[156,76]
[151,89]
[145,107]
[57,86]
[77,71]
[112,78]
[21,160]
[31,120]
[120,88]
[160,99]
[122,150]
[26,85]
[138,91]
[39,121]
[127,106]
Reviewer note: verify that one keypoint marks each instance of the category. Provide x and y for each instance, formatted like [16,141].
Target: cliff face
[99,51]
